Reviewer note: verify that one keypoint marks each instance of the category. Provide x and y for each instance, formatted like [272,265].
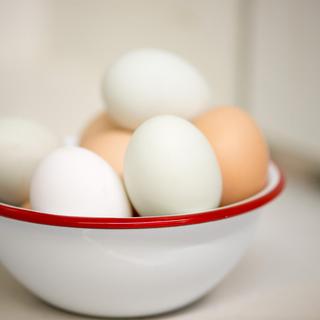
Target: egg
[23,144]
[110,145]
[26,205]
[170,168]
[241,150]
[100,123]
[74,181]
[148,82]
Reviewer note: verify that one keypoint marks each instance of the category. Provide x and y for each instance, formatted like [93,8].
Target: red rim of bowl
[242,207]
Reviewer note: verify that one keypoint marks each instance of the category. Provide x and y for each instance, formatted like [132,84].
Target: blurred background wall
[284,75]
[260,54]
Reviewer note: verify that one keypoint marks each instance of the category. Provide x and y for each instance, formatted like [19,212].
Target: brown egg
[111,145]
[241,150]
[101,123]
[26,205]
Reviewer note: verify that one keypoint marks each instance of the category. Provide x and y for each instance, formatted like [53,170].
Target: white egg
[149,82]
[170,168]
[74,181]
[23,143]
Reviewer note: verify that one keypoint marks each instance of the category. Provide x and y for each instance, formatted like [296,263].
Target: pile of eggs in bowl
[161,147]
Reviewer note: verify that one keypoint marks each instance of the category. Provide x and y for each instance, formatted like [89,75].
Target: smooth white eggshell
[23,143]
[148,82]
[74,181]
[170,168]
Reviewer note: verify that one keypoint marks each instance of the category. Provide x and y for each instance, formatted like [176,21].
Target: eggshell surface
[76,182]
[111,146]
[148,82]
[100,123]
[170,168]
[241,150]
[26,205]
[23,144]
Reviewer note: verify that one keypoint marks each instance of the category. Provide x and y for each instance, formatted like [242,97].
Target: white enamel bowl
[127,267]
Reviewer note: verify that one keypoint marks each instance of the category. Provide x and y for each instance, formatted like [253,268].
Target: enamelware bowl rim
[271,191]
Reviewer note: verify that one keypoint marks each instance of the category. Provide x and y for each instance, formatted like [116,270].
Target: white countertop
[279,278]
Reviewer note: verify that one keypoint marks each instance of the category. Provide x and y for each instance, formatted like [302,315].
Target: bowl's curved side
[123,273]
